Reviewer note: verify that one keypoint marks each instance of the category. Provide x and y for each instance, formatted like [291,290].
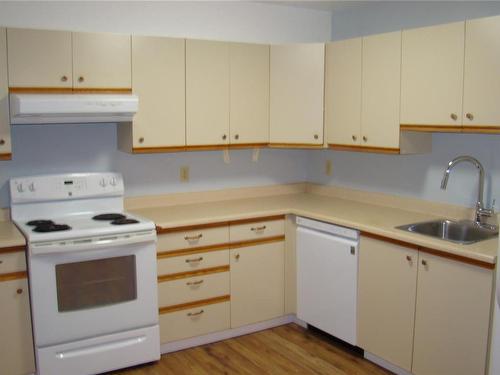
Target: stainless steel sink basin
[463,232]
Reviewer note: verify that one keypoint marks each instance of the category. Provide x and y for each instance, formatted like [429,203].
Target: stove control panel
[65,187]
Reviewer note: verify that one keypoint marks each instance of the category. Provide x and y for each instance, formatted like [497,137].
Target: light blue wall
[416,175]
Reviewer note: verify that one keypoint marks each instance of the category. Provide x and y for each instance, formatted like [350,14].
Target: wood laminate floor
[288,349]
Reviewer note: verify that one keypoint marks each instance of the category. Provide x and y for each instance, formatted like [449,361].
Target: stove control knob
[103,183]
[20,188]
[31,187]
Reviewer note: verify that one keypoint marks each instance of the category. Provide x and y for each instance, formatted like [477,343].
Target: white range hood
[72,108]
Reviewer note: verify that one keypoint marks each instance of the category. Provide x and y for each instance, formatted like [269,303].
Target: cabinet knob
[409,258]
[316,136]
[237,256]
[470,116]
[2,142]
[224,137]
[424,263]
[1,261]
[354,137]
[81,79]
[237,136]
[365,138]
[454,116]
[141,140]
[64,78]
[19,291]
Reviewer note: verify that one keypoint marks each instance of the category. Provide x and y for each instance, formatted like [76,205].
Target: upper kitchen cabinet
[343,92]
[432,77]
[101,61]
[158,72]
[481,77]
[5,146]
[249,94]
[39,58]
[296,100]
[362,97]
[207,93]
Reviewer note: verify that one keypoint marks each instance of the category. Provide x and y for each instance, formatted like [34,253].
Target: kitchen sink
[462,232]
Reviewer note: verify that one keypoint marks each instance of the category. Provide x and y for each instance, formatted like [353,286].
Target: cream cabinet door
[101,60]
[297,93]
[5,143]
[452,317]
[249,91]
[381,89]
[343,92]
[16,344]
[432,75]
[158,71]
[481,77]
[207,93]
[387,282]
[257,283]
[39,58]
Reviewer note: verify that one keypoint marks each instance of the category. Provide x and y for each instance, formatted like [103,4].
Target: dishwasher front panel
[327,273]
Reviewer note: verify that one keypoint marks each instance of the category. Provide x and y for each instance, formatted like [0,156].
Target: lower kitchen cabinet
[16,344]
[257,283]
[424,313]
[452,317]
[387,284]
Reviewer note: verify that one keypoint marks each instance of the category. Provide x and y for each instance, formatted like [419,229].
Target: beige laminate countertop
[376,219]
[10,235]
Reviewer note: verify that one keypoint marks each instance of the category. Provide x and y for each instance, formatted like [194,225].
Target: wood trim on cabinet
[187,274]
[190,305]
[12,249]
[481,129]
[295,145]
[248,145]
[6,156]
[102,90]
[68,90]
[13,276]
[442,254]
[160,149]
[382,150]
[193,250]
[257,219]
[206,147]
[262,241]
[431,128]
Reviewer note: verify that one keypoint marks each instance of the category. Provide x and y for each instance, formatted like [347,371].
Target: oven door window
[95,283]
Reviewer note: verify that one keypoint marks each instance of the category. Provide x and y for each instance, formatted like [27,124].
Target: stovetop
[82,225]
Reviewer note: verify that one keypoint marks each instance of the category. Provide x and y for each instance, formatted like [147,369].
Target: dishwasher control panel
[328,228]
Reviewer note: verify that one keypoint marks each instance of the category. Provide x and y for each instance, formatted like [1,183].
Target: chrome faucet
[481,211]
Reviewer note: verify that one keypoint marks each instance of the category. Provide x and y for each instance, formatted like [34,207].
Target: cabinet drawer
[192,262]
[191,289]
[256,230]
[12,262]
[193,238]
[183,324]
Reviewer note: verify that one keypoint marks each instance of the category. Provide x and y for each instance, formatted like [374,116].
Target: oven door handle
[91,243]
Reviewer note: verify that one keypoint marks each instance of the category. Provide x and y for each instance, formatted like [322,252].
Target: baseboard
[227,334]
[387,365]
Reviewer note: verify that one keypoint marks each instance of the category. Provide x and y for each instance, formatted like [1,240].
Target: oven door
[91,287]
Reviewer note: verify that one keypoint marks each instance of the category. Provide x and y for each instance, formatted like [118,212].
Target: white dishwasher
[327,277]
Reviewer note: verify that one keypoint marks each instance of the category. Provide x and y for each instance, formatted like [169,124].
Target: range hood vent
[72,108]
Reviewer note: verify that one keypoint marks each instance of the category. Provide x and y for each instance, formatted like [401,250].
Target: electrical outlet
[328,168]
[184,174]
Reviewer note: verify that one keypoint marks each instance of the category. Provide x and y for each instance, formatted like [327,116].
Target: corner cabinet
[158,71]
[422,312]
[297,95]
[5,140]
[207,93]
[362,97]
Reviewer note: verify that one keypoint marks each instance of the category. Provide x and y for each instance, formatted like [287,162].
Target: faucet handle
[485,212]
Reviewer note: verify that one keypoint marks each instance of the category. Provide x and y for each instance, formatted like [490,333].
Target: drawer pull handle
[192,283]
[258,229]
[195,313]
[194,260]
[193,238]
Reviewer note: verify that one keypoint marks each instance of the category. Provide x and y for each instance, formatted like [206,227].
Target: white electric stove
[92,273]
